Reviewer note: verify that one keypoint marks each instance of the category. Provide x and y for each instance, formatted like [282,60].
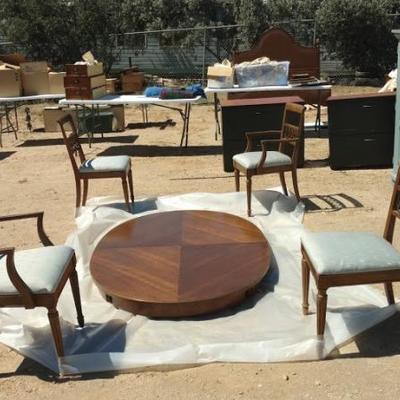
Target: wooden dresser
[361,130]
[250,115]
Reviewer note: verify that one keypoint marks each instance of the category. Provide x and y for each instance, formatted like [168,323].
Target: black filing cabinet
[361,130]
[249,115]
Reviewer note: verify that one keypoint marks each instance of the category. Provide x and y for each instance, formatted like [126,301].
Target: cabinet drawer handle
[369,140]
[366,106]
[258,113]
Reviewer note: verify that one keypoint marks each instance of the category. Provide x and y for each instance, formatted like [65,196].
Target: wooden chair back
[394,209]
[71,140]
[292,128]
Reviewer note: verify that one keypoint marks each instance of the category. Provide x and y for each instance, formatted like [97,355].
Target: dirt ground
[35,174]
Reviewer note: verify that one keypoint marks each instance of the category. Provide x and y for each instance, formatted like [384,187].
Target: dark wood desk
[180,263]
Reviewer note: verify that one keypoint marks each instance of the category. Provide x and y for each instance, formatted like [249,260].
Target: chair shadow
[5,154]
[111,329]
[161,151]
[144,125]
[330,202]
[381,340]
[83,139]
[323,162]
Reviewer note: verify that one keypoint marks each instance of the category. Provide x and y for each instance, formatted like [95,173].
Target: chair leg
[283,182]
[130,181]
[78,193]
[125,189]
[389,292]
[85,191]
[237,180]
[321,311]
[248,189]
[56,331]
[295,186]
[306,285]
[73,280]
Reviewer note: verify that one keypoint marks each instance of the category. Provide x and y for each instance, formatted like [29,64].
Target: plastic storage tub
[265,74]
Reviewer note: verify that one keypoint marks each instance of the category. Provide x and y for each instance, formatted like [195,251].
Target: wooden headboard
[277,44]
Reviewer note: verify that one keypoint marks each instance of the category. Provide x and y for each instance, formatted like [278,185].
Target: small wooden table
[180,263]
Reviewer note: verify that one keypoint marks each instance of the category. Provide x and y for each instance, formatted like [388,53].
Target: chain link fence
[186,53]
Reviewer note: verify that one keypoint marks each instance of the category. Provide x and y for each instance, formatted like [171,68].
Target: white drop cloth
[269,327]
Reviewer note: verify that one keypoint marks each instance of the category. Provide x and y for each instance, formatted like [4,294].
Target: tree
[60,31]
[360,33]
[290,15]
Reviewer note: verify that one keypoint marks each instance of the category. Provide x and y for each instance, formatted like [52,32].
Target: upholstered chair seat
[41,269]
[251,159]
[110,163]
[349,252]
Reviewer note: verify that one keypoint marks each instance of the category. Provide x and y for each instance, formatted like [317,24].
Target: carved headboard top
[277,44]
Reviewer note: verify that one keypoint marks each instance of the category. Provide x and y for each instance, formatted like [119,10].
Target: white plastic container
[264,74]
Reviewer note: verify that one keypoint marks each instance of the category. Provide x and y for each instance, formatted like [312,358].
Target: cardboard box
[35,78]
[111,85]
[56,82]
[84,69]
[132,81]
[10,82]
[119,117]
[52,114]
[220,76]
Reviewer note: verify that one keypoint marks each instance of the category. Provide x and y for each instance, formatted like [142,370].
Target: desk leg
[216,116]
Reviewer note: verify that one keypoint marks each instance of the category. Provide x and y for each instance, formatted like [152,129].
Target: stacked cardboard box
[35,78]
[85,81]
[10,80]
[132,80]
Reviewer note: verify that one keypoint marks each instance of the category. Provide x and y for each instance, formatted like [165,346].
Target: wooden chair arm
[252,137]
[264,145]
[39,223]
[15,279]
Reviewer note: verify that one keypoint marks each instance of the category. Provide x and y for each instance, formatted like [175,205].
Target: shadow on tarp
[5,154]
[111,335]
[381,340]
[330,202]
[161,151]
[144,125]
[108,137]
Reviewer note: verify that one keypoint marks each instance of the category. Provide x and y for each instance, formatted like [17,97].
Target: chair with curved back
[350,258]
[36,277]
[96,168]
[262,162]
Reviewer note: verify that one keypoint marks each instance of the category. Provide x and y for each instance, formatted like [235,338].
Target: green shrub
[359,32]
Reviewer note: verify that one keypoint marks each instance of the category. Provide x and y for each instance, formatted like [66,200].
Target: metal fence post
[203,74]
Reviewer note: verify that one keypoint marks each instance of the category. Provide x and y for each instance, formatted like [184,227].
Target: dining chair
[263,162]
[36,277]
[96,168]
[350,258]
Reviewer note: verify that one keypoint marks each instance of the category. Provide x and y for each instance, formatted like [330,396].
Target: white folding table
[9,106]
[288,88]
[127,99]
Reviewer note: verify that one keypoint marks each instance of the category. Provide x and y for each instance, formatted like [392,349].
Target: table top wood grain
[180,263]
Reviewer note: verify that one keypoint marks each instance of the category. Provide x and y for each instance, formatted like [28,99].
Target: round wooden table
[180,263]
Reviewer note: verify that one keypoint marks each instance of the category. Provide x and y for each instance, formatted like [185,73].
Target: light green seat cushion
[349,252]
[41,269]
[251,159]
[106,164]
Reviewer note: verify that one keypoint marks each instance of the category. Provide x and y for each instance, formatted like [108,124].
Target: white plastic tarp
[267,327]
